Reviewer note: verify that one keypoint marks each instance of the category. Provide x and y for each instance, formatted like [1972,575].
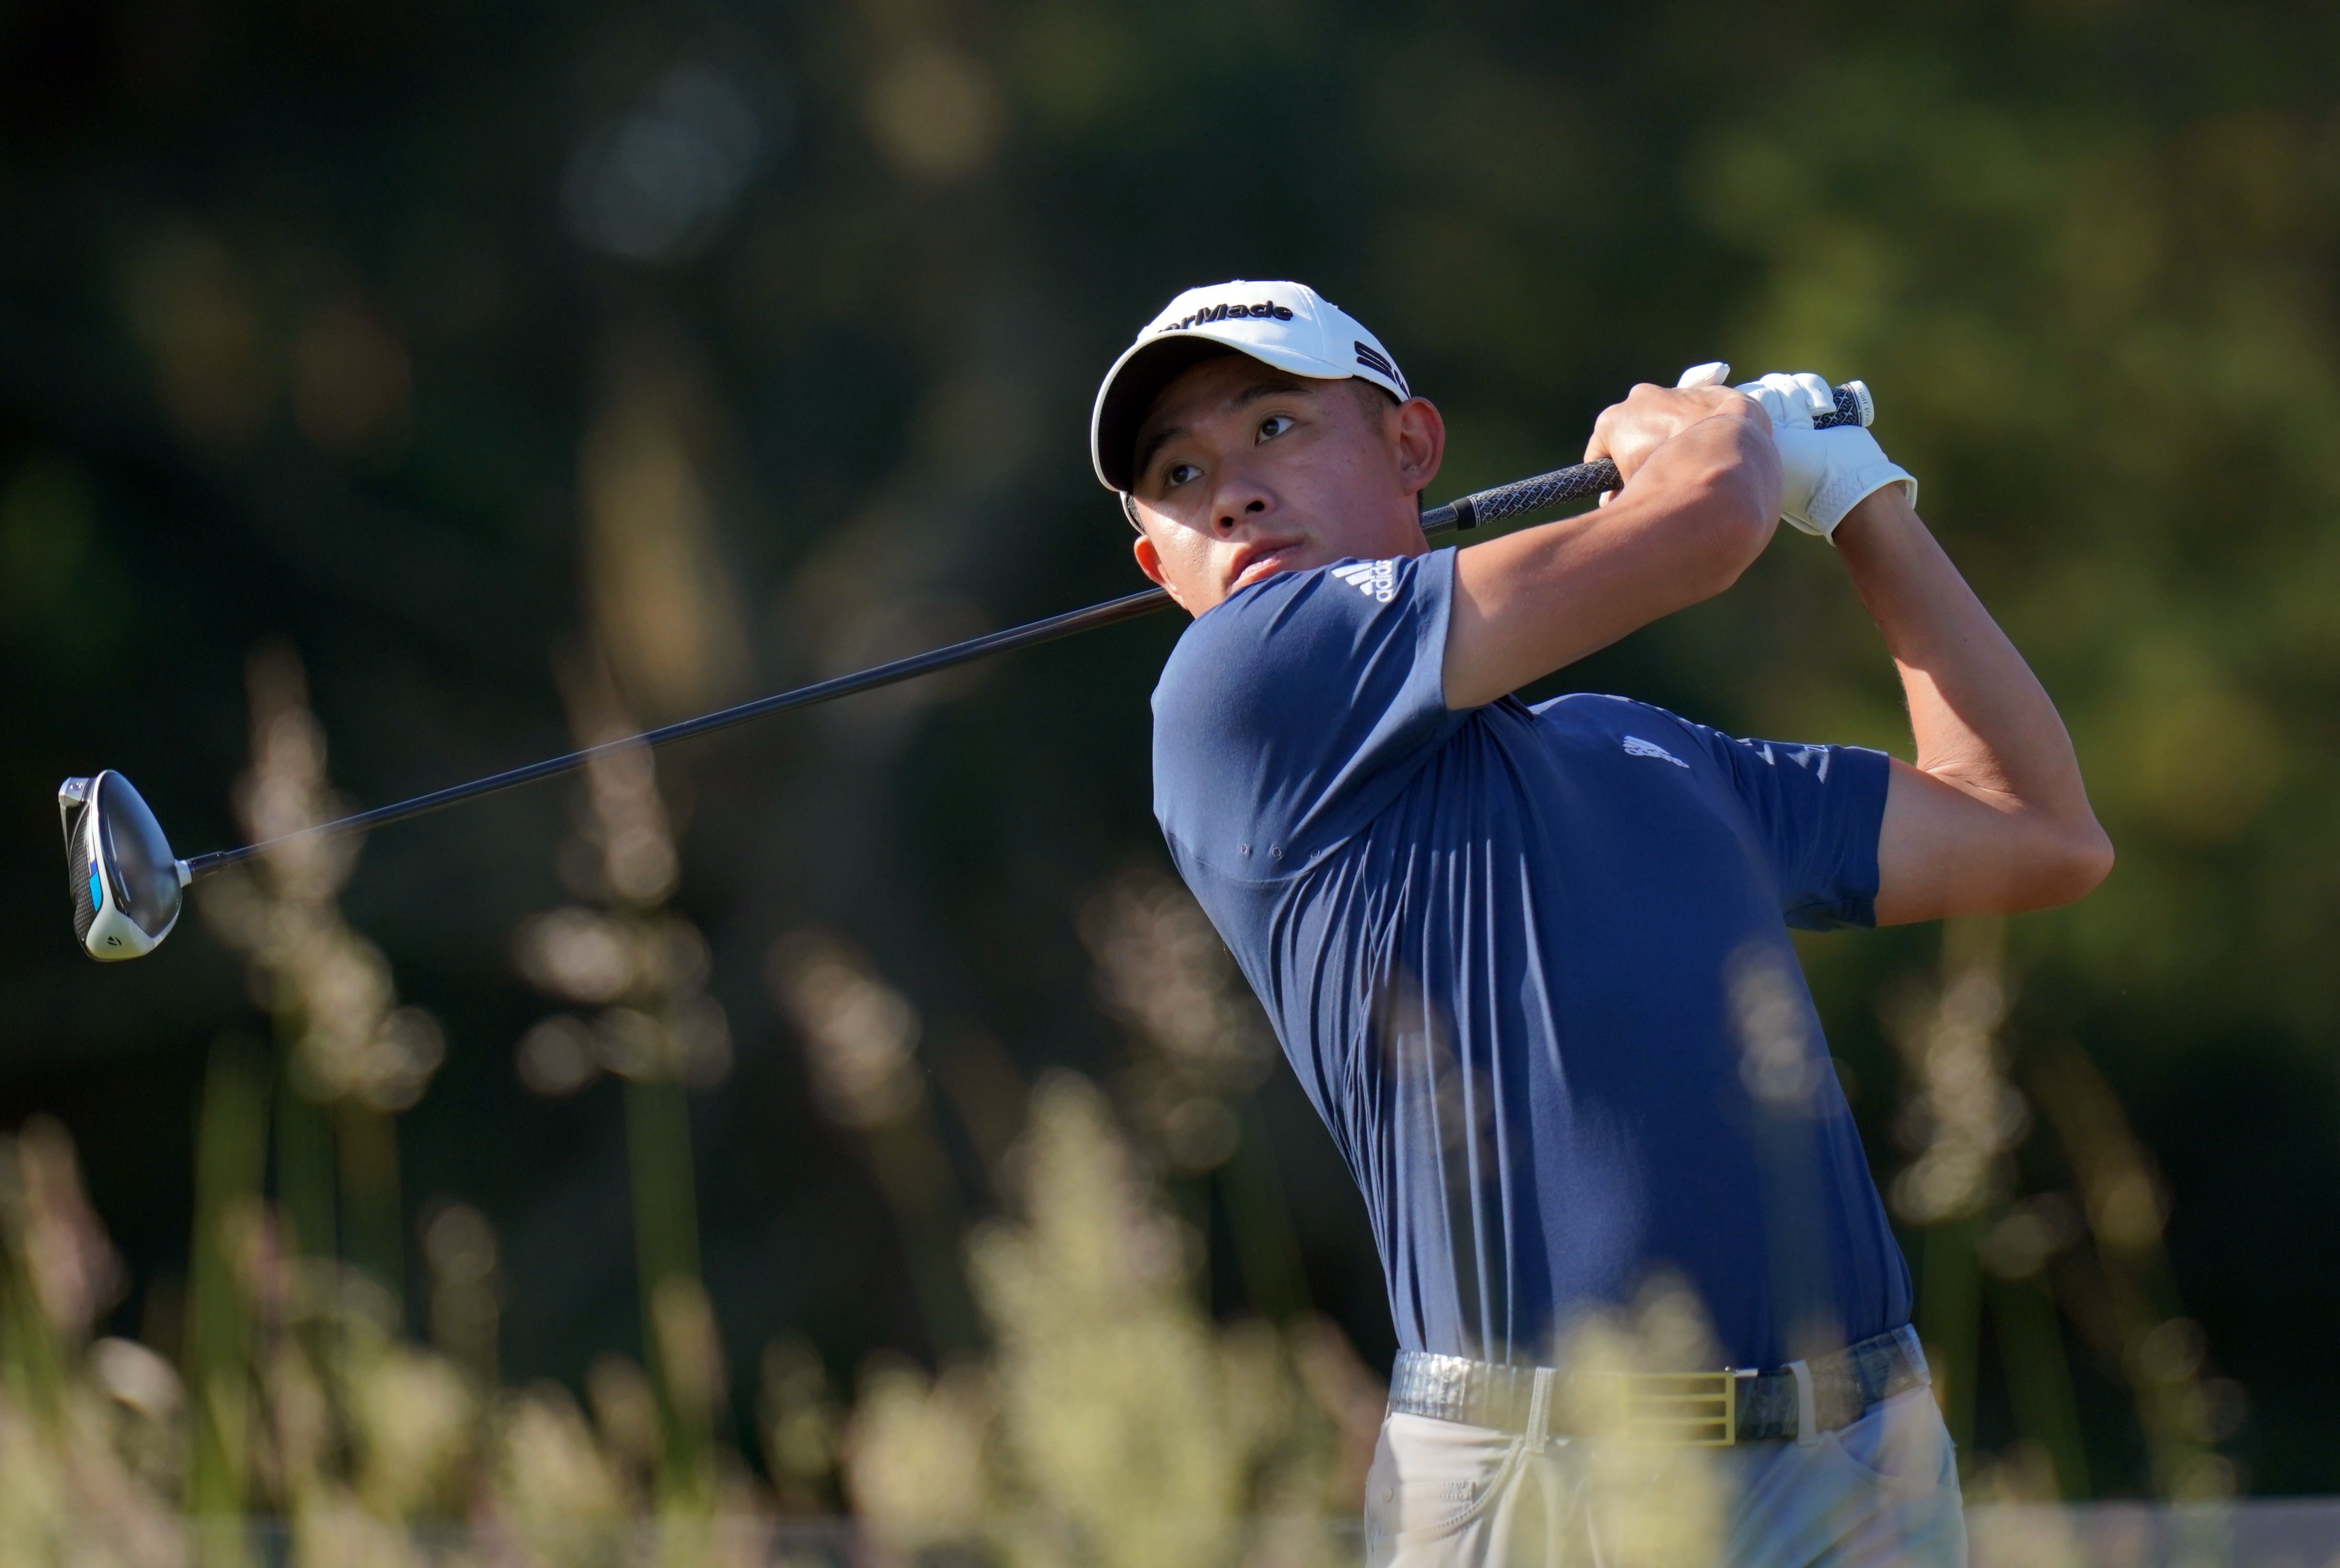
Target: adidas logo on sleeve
[1637,746]
[1377,580]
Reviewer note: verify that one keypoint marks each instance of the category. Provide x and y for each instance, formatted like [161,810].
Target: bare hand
[1626,434]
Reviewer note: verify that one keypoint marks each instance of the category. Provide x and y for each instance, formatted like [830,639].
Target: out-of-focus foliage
[1114,1425]
[742,345]
[2104,320]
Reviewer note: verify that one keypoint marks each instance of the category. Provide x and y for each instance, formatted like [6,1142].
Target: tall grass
[2069,1239]
[641,970]
[1086,1409]
[1114,1423]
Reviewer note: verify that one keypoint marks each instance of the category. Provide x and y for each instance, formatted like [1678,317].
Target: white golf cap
[1285,324]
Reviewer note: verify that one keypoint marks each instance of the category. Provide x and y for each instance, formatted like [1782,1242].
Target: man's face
[1244,471]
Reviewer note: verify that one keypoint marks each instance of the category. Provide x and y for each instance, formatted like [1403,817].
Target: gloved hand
[1824,473]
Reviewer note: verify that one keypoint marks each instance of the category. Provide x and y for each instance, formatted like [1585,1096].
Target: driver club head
[127,887]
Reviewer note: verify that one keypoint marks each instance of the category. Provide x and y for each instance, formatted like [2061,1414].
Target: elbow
[2076,865]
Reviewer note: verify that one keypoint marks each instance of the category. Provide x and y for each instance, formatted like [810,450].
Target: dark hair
[1380,397]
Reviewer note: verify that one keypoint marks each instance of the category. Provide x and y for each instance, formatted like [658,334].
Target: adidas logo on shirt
[1802,756]
[1637,746]
[1377,580]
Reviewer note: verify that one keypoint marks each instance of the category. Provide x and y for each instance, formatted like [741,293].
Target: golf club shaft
[1476,510]
[1585,479]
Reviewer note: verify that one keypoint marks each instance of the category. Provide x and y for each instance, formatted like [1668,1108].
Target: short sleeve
[1292,712]
[1819,810]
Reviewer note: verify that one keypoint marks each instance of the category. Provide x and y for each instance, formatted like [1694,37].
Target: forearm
[1984,727]
[1688,522]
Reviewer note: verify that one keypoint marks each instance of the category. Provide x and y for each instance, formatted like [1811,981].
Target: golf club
[127,888]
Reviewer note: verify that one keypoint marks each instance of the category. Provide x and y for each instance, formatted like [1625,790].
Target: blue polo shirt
[1532,966]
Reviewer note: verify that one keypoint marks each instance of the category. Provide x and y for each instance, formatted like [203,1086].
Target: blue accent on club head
[97,890]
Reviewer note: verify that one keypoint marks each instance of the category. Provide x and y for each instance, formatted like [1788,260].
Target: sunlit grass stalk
[646,967]
[1201,1050]
[666,1258]
[1259,1224]
[231,1145]
[915,1174]
[2159,1348]
[1969,1116]
[365,1143]
[31,1362]
[1949,1320]
[861,1038]
[305,1179]
[1783,1066]
[2039,1377]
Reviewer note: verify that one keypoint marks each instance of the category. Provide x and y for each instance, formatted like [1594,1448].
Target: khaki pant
[1884,1490]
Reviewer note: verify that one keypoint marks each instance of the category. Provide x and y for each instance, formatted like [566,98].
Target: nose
[1239,500]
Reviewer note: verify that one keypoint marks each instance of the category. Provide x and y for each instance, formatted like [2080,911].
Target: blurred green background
[440,342]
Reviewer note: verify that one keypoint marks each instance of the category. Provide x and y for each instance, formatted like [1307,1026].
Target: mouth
[1262,559]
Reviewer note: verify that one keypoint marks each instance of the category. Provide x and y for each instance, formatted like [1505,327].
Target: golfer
[1533,964]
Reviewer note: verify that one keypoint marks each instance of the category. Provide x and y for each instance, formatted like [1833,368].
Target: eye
[1274,425]
[1179,473]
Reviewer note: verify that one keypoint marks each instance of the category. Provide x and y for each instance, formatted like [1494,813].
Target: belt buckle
[1686,1409]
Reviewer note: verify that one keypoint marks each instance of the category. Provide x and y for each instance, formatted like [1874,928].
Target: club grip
[1574,482]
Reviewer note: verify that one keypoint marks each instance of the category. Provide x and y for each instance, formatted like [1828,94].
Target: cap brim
[1138,378]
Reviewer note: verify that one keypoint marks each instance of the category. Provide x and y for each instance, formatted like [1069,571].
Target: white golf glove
[1825,473]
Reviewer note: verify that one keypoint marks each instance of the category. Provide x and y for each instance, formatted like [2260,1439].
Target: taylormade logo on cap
[1209,313]
[1284,325]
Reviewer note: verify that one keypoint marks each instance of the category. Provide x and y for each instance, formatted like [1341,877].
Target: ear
[1149,561]
[1421,437]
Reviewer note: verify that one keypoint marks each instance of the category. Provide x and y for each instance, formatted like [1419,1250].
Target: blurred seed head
[914,1455]
[1199,1134]
[411,1411]
[554,1479]
[692,1046]
[1646,1503]
[688,1043]
[1118,1413]
[135,1376]
[1095,1246]
[556,1059]
[629,824]
[460,1245]
[1162,969]
[2126,1210]
[2033,1232]
[1780,1062]
[2171,1353]
[387,1066]
[625,1410]
[286,791]
[800,1421]
[1163,972]
[76,1273]
[329,988]
[578,954]
[665,615]
[591,958]
[860,1035]
[691,1350]
[1963,1116]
